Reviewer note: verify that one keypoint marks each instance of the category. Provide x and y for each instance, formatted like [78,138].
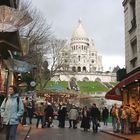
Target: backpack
[17,102]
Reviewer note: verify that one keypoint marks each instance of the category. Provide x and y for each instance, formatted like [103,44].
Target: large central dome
[79,33]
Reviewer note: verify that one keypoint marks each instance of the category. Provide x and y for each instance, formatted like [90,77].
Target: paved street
[68,134]
[56,133]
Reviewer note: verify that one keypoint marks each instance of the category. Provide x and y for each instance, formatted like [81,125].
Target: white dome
[79,33]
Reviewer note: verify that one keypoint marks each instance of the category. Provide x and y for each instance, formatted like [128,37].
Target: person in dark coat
[62,112]
[85,123]
[95,117]
[105,115]
[49,114]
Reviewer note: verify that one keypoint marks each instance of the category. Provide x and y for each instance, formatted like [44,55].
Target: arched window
[84,69]
[85,79]
[92,61]
[79,69]
[74,69]
[98,79]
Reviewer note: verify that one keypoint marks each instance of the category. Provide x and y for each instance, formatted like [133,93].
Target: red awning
[115,94]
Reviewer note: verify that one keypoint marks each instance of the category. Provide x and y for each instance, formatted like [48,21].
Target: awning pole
[139,90]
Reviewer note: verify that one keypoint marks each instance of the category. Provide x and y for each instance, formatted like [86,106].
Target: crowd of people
[126,118]
[14,111]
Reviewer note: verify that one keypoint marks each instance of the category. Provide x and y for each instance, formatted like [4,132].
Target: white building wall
[82,46]
[92,77]
[129,36]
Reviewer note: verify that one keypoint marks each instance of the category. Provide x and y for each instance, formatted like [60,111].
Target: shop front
[127,91]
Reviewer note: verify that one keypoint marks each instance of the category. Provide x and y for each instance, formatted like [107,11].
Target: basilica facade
[81,59]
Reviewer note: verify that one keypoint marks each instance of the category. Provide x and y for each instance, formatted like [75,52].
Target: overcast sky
[103,20]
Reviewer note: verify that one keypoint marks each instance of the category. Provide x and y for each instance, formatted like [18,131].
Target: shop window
[133,93]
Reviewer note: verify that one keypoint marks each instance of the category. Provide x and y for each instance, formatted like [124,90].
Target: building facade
[81,59]
[128,90]
[132,34]
[80,52]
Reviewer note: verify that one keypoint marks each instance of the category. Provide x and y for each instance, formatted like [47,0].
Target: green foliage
[63,84]
[92,87]
[84,86]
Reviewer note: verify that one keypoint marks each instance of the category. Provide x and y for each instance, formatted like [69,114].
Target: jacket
[11,111]
[73,114]
[40,110]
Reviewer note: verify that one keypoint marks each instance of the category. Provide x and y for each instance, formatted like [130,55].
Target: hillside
[83,86]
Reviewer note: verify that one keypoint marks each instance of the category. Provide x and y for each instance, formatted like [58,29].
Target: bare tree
[55,60]
[41,42]
[38,33]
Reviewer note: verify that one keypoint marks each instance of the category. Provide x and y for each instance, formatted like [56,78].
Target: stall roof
[114,93]
[9,41]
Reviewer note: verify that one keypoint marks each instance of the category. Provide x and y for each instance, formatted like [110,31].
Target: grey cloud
[102,19]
